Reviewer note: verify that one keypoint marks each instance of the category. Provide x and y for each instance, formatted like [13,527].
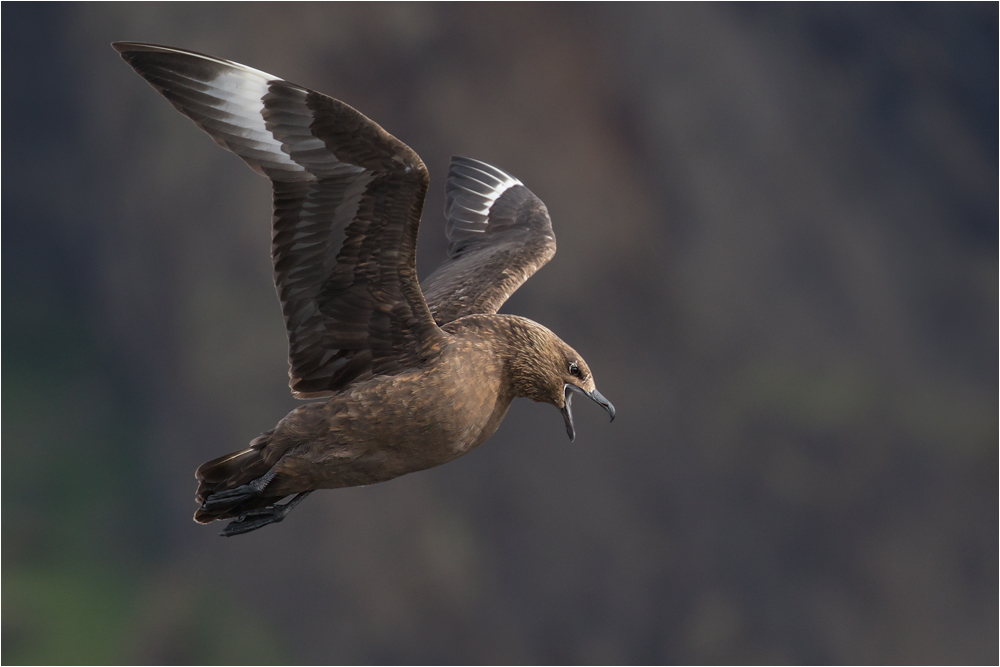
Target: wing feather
[499,234]
[347,203]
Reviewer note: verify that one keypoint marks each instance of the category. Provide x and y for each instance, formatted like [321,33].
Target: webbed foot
[223,500]
[258,518]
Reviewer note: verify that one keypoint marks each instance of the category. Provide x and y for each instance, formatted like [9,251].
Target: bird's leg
[258,518]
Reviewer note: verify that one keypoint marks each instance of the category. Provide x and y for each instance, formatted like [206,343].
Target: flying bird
[411,377]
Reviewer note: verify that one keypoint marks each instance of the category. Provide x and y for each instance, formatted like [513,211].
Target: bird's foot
[233,497]
[258,518]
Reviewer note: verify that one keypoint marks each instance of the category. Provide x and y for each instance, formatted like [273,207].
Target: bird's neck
[517,342]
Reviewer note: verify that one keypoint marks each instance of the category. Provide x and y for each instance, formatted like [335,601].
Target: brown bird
[411,378]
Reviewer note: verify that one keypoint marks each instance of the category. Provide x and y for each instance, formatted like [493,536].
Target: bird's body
[409,378]
[384,427]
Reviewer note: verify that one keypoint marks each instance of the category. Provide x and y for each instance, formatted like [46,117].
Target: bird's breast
[429,415]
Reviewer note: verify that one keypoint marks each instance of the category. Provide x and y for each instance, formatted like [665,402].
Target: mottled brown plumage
[412,378]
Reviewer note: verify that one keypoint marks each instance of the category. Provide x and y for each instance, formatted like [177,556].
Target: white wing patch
[239,93]
[223,98]
[262,118]
[473,187]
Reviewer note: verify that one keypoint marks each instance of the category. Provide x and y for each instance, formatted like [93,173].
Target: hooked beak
[567,411]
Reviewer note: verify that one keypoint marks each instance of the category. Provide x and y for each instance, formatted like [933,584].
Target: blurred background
[778,251]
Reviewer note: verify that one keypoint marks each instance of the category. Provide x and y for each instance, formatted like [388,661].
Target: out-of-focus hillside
[777,250]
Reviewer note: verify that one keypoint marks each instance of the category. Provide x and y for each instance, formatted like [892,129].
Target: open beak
[567,411]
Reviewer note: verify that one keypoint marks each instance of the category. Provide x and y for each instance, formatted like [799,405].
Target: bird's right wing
[499,234]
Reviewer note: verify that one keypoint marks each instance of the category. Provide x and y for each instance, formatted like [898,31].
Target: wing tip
[128,47]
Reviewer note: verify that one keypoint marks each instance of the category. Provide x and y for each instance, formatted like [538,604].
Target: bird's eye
[574,369]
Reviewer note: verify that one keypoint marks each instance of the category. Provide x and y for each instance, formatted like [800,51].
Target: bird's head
[546,369]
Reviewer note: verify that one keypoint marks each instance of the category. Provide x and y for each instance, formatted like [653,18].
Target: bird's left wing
[347,202]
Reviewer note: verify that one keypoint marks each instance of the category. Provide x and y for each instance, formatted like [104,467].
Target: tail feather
[225,475]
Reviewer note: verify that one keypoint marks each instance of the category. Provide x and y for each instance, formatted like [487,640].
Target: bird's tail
[230,485]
